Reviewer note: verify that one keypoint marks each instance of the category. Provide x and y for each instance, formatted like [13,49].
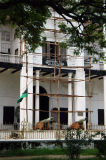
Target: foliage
[101,145]
[84,28]
[75,140]
[27,20]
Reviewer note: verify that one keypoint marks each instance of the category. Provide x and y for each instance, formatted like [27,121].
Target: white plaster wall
[37,57]
[73,60]
[9,90]
[97,101]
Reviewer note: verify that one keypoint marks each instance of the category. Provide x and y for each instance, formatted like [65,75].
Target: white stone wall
[9,90]
[97,100]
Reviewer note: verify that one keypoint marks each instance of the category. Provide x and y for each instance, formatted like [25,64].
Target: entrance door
[44,105]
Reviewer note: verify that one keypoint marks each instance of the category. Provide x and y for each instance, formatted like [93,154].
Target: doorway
[43,105]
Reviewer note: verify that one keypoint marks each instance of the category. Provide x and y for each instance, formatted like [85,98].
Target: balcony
[8,58]
[7,55]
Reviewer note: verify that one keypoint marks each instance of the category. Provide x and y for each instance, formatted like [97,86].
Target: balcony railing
[11,132]
[8,58]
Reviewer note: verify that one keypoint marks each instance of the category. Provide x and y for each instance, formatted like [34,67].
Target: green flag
[24,94]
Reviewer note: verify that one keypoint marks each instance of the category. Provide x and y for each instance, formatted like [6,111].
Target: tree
[29,17]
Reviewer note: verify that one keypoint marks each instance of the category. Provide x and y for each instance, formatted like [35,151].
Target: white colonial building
[59,84]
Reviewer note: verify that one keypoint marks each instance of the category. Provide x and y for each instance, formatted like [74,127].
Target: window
[64,116]
[16,51]
[51,52]
[55,114]
[5,36]
[100,116]
[8,115]
[5,48]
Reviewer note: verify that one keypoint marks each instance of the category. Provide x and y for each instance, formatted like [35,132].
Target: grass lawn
[32,152]
[89,151]
[64,159]
[44,151]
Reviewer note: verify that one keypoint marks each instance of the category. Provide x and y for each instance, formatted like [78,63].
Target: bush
[101,146]
[75,140]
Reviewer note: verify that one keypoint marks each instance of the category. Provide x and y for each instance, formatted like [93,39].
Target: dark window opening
[44,105]
[34,105]
[55,114]
[16,51]
[86,117]
[64,116]
[8,115]
[100,116]
[51,52]
[8,50]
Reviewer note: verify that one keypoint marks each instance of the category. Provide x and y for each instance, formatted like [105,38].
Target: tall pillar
[69,99]
[23,102]
[30,90]
[79,90]
[105,97]
[104,49]
[0,42]
[23,88]
[37,97]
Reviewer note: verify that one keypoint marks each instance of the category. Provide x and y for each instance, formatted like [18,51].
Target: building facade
[59,84]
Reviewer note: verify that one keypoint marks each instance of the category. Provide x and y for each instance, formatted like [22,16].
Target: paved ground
[44,156]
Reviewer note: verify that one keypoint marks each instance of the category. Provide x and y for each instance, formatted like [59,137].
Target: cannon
[45,124]
[78,125]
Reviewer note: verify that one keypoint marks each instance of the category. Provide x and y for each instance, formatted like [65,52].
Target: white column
[79,90]
[23,102]
[105,92]
[23,88]
[30,90]
[37,97]
[0,41]
[105,101]
[104,49]
[69,99]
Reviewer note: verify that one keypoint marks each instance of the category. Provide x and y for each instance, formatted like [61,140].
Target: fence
[96,127]
[39,135]
[11,132]
[32,135]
